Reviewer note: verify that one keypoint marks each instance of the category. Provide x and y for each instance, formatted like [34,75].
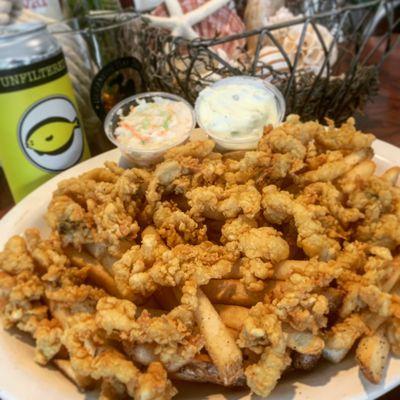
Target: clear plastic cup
[139,155]
[249,142]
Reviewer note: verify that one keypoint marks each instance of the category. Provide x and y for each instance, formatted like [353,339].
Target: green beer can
[41,133]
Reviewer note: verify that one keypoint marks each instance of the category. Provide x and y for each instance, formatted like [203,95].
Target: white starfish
[180,24]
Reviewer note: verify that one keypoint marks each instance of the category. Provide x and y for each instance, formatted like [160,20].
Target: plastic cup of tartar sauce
[234,111]
[146,125]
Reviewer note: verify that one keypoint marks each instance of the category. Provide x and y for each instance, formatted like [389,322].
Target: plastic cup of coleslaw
[146,125]
[234,111]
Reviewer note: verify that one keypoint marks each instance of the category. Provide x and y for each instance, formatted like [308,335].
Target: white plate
[22,379]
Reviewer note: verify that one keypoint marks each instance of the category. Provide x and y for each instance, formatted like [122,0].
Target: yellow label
[40,134]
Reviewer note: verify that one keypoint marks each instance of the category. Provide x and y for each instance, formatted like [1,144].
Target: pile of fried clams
[226,268]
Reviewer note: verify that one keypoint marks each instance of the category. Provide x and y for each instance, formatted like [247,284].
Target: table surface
[381,117]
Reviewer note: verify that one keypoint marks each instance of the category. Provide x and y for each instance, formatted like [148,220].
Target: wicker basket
[336,90]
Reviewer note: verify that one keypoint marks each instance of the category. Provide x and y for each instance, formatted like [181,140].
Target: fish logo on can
[50,135]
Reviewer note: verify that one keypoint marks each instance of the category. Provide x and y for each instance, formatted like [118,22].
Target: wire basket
[345,78]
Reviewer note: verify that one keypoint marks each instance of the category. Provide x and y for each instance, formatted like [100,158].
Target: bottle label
[41,133]
[117,80]
[28,76]
[49,134]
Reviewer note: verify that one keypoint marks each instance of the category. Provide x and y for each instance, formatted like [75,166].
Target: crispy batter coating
[216,203]
[279,206]
[198,263]
[24,309]
[265,243]
[98,207]
[298,230]
[48,340]
[263,376]
[260,247]
[176,227]
[326,194]
[91,356]
[15,257]
[347,137]
[342,336]
[252,166]
[173,336]
[196,149]
[261,328]
[130,271]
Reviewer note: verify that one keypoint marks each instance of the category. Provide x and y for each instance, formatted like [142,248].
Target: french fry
[200,369]
[198,342]
[372,354]
[203,370]
[364,169]
[341,338]
[335,169]
[233,332]
[374,321]
[219,343]
[232,316]
[233,292]
[82,382]
[97,273]
[304,342]
[100,277]
[391,175]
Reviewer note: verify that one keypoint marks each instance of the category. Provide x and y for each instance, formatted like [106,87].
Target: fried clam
[207,267]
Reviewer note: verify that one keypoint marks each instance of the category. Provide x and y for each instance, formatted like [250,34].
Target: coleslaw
[150,124]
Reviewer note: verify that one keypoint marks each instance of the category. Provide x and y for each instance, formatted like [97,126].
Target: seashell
[312,53]
[270,56]
[257,15]
[202,71]
[224,22]
[210,76]
[282,15]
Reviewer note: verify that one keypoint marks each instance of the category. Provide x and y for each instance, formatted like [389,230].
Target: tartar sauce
[150,125]
[234,111]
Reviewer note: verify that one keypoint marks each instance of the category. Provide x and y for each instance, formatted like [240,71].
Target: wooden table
[381,117]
